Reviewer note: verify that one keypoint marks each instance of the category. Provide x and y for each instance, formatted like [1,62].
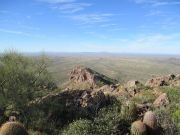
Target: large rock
[161,101]
[132,83]
[132,87]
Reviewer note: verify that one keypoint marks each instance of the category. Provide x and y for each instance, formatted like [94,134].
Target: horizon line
[93,52]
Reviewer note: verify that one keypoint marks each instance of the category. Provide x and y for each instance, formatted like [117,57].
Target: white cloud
[108,25]
[91,18]
[16,32]
[66,6]
[153,43]
[12,31]
[56,1]
[166,3]
[156,3]
[71,7]
[156,13]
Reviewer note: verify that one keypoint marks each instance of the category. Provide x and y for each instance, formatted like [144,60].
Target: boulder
[161,101]
[132,83]
[132,87]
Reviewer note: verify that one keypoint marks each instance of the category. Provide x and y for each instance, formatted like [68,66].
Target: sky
[120,26]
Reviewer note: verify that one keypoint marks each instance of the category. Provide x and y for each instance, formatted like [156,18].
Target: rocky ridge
[71,104]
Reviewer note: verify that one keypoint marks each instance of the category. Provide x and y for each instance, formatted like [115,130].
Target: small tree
[22,79]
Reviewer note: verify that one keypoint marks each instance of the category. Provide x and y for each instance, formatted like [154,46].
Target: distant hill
[119,67]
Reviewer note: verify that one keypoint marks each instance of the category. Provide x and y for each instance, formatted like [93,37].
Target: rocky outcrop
[142,108]
[133,87]
[161,101]
[132,83]
[161,81]
[69,105]
[81,75]
[156,82]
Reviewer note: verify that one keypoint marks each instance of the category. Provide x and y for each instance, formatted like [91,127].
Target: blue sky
[125,26]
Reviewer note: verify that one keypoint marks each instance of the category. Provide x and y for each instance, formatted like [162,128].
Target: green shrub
[174,106]
[107,118]
[129,112]
[23,79]
[176,118]
[164,121]
[79,127]
[102,124]
[146,96]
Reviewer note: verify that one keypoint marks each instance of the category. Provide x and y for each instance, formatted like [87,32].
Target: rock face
[80,75]
[161,101]
[160,81]
[70,104]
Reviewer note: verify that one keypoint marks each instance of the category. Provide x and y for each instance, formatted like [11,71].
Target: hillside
[119,67]
[89,102]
